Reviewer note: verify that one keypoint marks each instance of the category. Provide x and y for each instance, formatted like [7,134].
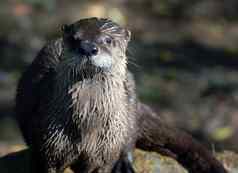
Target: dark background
[184,54]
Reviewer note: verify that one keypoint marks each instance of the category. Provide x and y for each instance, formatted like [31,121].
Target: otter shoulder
[50,53]
[35,75]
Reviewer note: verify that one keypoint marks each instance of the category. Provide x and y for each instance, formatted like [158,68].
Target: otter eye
[108,40]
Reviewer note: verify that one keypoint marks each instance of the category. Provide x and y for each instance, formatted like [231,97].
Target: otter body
[72,103]
[76,106]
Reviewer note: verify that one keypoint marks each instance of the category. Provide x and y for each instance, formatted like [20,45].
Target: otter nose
[88,48]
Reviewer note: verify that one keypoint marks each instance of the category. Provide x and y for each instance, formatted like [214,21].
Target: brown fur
[81,113]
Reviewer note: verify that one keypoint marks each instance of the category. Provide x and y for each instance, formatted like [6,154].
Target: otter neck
[96,101]
[100,112]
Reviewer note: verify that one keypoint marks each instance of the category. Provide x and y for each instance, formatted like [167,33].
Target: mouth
[95,64]
[102,61]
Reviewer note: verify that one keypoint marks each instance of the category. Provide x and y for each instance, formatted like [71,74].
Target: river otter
[76,106]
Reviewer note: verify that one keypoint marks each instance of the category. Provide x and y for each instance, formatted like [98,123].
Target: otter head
[95,45]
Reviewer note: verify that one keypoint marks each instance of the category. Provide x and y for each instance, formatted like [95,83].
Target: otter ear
[128,35]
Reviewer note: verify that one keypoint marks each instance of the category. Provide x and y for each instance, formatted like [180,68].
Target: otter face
[98,43]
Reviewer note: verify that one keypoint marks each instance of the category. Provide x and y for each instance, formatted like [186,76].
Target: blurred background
[184,54]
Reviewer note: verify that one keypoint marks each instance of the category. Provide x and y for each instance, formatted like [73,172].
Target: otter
[76,107]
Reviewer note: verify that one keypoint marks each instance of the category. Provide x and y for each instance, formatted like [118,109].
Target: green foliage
[223,133]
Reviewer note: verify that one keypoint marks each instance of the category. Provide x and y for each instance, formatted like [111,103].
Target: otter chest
[100,115]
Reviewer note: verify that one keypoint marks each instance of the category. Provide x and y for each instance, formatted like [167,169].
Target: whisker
[134,64]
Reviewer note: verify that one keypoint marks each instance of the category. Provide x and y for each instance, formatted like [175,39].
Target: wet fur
[82,112]
[100,112]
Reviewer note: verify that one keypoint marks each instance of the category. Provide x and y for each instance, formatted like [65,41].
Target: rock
[18,160]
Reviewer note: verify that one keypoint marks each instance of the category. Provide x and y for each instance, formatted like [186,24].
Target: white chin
[102,61]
